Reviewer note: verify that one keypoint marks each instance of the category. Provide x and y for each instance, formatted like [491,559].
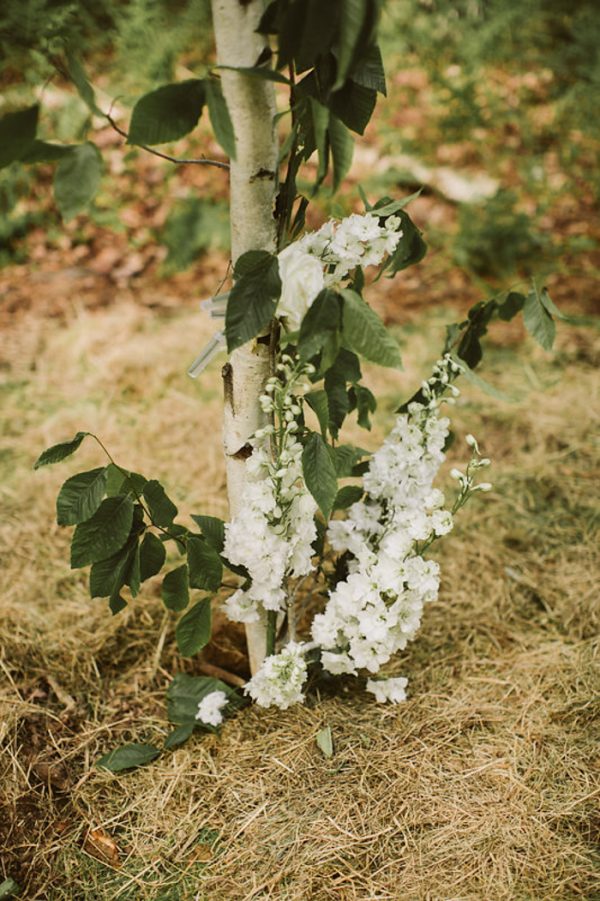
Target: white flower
[210,707]
[301,280]
[280,680]
[393,690]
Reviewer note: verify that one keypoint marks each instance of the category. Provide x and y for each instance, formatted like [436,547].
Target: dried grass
[482,786]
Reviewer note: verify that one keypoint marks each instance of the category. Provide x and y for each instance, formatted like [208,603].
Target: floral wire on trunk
[376,609]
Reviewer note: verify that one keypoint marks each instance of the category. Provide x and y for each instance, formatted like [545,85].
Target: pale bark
[251,104]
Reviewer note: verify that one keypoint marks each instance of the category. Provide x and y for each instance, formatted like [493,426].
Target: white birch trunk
[251,104]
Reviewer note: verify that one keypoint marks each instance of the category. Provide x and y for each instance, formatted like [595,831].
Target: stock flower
[210,707]
[280,680]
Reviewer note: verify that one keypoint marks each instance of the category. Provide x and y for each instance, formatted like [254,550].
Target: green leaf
[168,113]
[206,569]
[324,741]
[107,577]
[347,496]
[345,458]
[352,21]
[317,401]
[354,105]
[366,404]
[219,116]
[59,452]
[319,473]
[152,556]
[510,306]
[342,150]
[128,757]
[337,399]
[162,509]
[122,481]
[369,72]
[43,152]
[175,589]
[213,530]
[365,334]
[79,79]
[320,329]
[550,306]
[320,122]
[17,134]
[538,320]
[253,298]
[480,383]
[8,888]
[387,207]
[411,248]
[77,179]
[178,736]
[104,533]
[193,629]
[185,693]
[80,496]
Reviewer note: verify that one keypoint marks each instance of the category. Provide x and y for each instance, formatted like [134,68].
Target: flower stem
[271,631]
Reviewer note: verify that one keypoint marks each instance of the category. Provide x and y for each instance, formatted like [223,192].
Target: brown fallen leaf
[99,844]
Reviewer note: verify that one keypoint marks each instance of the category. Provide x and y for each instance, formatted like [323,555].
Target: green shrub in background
[195,225]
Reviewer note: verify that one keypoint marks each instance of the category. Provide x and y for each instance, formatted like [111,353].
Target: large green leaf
[104,533]
[253,298]
[43,152]
[354,105]
[338,402]
[317,401]
[320,328]
[168,113]
[77,179]
[319,473]
[185,693]
[128,757]
[206,569]
[352,22]
[369,72]
[107,577]
[364,333]
[213,530]
[59,452]
[79,78]
[8,889]
[162,509]
[538,320]
[17,134]
[219,116]
[175,588]
[411,248]
[152,556]
[342,149]
[80,496]
[193,629]
[347,496]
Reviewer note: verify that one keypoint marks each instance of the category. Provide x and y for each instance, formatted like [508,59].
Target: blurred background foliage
[507,89]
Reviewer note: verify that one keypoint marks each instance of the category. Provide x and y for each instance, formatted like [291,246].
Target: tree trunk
[251,104]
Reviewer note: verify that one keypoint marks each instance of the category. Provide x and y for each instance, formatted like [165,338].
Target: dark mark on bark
[227,374]
[243,453]
[266,174]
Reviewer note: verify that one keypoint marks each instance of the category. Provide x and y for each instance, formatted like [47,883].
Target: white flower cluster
[324,258]
[392,690]
[280,680]
[210,707]
[377,609]
[273,533]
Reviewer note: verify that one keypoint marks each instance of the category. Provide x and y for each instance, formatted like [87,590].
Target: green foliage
[8,888]
[213,530]
[193,629]
[319,473]
[152,556]
[162,509]
[59,452]
[185,693]
[495,239]
[175,588]
[104,533]
[253,298]
[77,179]
[194,225]
[168,113]
[17,133]
[128,757]
[219,116]
[80,496]
[206,569]
[364,333]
